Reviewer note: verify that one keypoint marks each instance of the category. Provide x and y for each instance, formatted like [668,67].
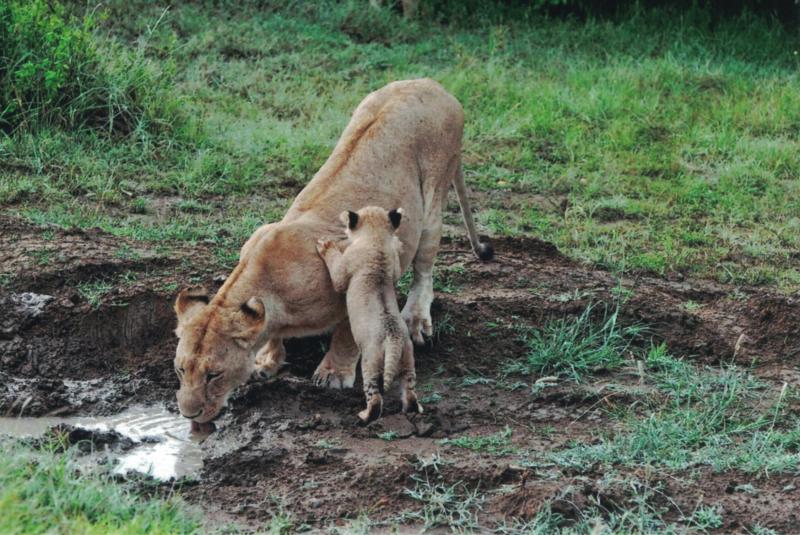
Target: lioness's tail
[482,250]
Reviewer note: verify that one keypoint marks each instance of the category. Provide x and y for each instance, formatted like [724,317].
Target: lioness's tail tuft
[485,251]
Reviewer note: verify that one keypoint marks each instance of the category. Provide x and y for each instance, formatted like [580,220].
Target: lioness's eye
[210,376]
[180,371]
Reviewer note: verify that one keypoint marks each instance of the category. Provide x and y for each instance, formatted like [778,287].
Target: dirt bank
[87,328]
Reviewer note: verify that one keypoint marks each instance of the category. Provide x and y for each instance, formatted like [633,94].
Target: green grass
[42,491]
[575,347]
[642,512]
[441,505]
[724,418]
[496,444]
[677,151]
[94,291]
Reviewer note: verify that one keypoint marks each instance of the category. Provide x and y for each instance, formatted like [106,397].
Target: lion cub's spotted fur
[367,270]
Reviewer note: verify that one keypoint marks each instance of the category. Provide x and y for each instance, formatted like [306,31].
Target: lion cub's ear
[190,301]
[254,316]
[349,218]
[395,216]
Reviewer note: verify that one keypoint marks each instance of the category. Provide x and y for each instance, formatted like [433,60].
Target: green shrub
[55,72]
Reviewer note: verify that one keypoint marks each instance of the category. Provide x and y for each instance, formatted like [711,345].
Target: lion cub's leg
[270,358]
[338,367]
[372,373]
[408,380]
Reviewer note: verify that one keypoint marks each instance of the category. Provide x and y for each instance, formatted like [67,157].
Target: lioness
[367,271]
[402,147]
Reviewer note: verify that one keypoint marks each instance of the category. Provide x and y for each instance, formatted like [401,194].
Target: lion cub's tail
[392,356]
[482,250]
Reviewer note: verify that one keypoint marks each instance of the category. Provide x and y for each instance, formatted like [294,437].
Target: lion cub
[367,270]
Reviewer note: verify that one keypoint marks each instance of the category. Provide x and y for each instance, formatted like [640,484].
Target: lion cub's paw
[410,403]
[324,245]
[373,410]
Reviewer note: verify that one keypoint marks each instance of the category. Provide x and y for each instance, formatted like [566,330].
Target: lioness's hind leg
[338,367]
[408,380]
[372,372]
[417,311]
[269,359]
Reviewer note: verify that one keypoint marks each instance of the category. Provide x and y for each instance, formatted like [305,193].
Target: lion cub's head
[372,219]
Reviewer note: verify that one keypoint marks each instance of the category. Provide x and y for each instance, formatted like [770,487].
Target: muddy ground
[86,328]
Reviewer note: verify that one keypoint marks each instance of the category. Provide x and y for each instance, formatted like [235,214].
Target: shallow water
[171,451]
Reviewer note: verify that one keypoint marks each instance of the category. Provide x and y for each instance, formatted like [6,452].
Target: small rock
[424,429]
[399,424]
[318,457]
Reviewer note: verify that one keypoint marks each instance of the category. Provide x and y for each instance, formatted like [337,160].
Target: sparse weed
[453,506]
[327,443]
[388,436]
[642,511]
[476,380]
[94,291]
[496,444]
[126,252]
[433,397]
[443,325]
[575,347]
[691,306]
[431,464]
[42,257]
[281,522]
[705,518]
[705,417]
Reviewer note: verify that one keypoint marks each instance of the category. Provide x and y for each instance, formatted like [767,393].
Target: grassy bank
[654,143]
[43,491]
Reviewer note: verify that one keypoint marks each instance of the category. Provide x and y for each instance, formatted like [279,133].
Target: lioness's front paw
[419,326]
[332,378]
[324,245]
[265,371]
[269,360]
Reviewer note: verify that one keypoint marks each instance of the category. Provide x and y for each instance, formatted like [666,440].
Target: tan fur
[367,271]
[402,147]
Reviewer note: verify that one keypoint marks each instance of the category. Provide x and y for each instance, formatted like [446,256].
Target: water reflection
[165,446]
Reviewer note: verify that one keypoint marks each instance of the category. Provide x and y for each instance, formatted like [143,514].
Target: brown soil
[64,349]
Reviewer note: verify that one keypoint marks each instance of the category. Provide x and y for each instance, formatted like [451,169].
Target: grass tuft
[453,506]
[44,491]
[709,417]
[575,347]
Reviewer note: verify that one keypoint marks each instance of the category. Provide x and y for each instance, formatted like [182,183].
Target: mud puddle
[145,440]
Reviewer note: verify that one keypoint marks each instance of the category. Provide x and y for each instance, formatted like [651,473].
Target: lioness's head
[215,350]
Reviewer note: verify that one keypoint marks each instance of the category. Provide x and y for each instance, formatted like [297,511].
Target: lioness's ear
[346,218]
[395,216]
[253,309]
[189,302]
[253,313]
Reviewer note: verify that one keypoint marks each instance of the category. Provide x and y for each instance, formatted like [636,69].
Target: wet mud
[88,334]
